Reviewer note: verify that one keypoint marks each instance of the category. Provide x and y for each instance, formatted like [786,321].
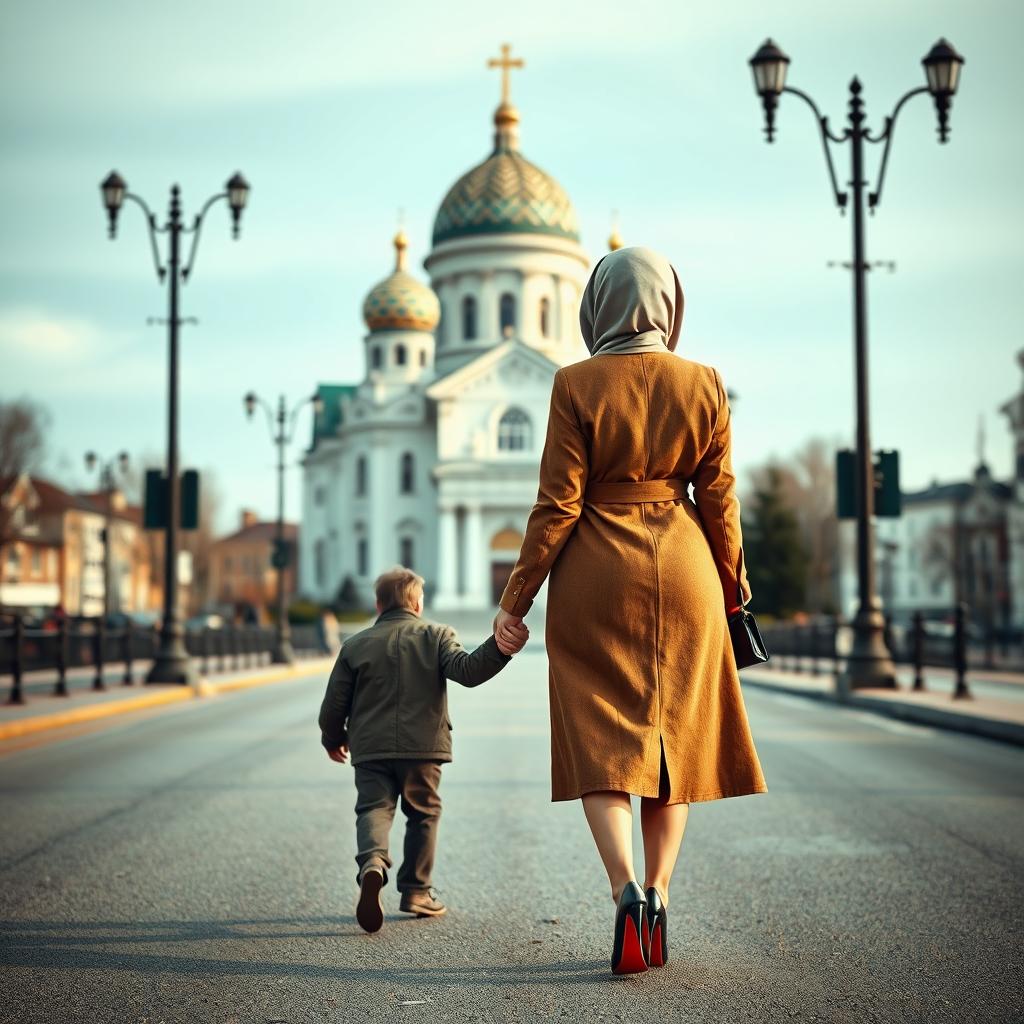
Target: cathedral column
[378,522]
[447,560]
[532,288]
[475,593]
[488,327]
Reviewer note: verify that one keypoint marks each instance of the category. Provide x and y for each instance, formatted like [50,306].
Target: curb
[108,709]
[977,725]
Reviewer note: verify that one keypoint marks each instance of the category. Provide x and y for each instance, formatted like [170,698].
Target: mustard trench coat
[642,676]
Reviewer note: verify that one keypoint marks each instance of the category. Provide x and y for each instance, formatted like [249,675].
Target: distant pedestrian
[645,696]
[329,632]
[387,705]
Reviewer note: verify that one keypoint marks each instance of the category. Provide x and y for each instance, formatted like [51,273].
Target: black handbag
[747,645]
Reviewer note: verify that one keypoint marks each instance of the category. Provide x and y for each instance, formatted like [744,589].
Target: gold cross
[505,62]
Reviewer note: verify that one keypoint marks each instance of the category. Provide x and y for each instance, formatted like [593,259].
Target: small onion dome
[615,240]
[400,302]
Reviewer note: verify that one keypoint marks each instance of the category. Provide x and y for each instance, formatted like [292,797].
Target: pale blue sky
[340,114]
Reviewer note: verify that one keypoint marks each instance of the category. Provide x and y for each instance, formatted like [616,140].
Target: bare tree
[806,483]
[23,424]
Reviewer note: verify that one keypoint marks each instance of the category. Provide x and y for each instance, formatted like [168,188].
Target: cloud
[41,335]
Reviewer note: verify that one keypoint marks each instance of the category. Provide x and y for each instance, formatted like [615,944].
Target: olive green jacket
[387,695]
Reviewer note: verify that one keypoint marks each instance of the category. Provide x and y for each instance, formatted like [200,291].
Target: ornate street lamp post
[282,430]
[108,485]
[172,663]
[869,662]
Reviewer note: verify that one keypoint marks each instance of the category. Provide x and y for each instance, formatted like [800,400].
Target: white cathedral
[431,461]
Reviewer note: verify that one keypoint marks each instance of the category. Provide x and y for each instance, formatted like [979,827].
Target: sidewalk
[43,712]
[996,712]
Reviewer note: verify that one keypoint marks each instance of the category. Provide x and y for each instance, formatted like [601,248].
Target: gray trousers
[379,787]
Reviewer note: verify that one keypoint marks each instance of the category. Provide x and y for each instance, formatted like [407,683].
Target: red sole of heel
[632,960]
[657,960]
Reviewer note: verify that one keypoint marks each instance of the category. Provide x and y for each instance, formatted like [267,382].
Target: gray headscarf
[633,302]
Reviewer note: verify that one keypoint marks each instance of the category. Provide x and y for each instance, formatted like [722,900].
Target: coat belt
[635,491]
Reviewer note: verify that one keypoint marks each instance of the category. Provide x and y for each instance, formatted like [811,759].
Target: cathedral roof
[401,302]
[506,192]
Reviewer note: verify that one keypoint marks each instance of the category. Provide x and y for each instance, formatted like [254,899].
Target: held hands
[510,632]
[340,755]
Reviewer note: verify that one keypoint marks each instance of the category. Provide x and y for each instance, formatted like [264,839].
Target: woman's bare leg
[610,817]
[662,826]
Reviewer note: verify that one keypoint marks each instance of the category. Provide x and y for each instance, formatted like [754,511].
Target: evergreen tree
[774,550]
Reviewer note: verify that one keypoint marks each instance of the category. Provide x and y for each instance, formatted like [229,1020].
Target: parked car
[140,620]
[205,620]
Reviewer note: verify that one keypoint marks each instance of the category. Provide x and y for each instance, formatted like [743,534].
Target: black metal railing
[93,643]
[819,645]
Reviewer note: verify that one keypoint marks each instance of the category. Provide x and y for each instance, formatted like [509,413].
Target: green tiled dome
[401,302]
[505,193]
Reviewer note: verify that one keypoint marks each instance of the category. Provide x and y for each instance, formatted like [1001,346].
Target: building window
[423,357]
[469,318]
[545,317]
[376,357]
[407,474]
[361,475]
[37,562]
[319,494]
[405,552]
[400,355]
[362,554]
[514,431]
[507,314]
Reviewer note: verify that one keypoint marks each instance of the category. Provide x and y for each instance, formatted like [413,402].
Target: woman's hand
[509,630]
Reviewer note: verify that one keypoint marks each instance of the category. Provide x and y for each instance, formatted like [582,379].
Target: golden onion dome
[505,193]
[400,302]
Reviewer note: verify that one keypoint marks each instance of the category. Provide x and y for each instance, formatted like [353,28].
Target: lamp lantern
[769,65]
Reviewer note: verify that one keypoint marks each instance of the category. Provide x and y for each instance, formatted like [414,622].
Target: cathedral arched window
[405,552]
[423,357]
[507,314]
[376,357]
[514,431]
[400,355]
[361,474]
[469,318]
[407,473]
[545,317]
[362,556]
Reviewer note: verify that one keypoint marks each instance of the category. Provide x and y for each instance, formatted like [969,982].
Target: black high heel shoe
[629,949]
[657,927]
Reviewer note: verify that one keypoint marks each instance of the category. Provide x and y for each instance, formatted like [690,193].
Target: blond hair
[397,588]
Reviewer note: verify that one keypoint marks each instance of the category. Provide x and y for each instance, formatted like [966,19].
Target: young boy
[387,703]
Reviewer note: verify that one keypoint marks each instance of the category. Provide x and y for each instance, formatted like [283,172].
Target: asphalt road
[197,865]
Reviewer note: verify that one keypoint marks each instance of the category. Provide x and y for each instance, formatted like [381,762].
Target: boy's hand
[340,755]
[510,633]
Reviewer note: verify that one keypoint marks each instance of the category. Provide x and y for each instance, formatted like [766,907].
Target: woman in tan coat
[645,696]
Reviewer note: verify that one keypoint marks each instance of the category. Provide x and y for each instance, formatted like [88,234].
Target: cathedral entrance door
[500,572]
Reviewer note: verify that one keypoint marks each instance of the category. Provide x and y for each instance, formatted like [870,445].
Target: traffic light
[886,471]
[154,516]
[280,554]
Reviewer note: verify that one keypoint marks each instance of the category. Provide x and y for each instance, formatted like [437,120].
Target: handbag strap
[739,580]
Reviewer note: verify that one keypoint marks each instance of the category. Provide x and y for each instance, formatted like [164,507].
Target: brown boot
[422,903]
[369,910]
